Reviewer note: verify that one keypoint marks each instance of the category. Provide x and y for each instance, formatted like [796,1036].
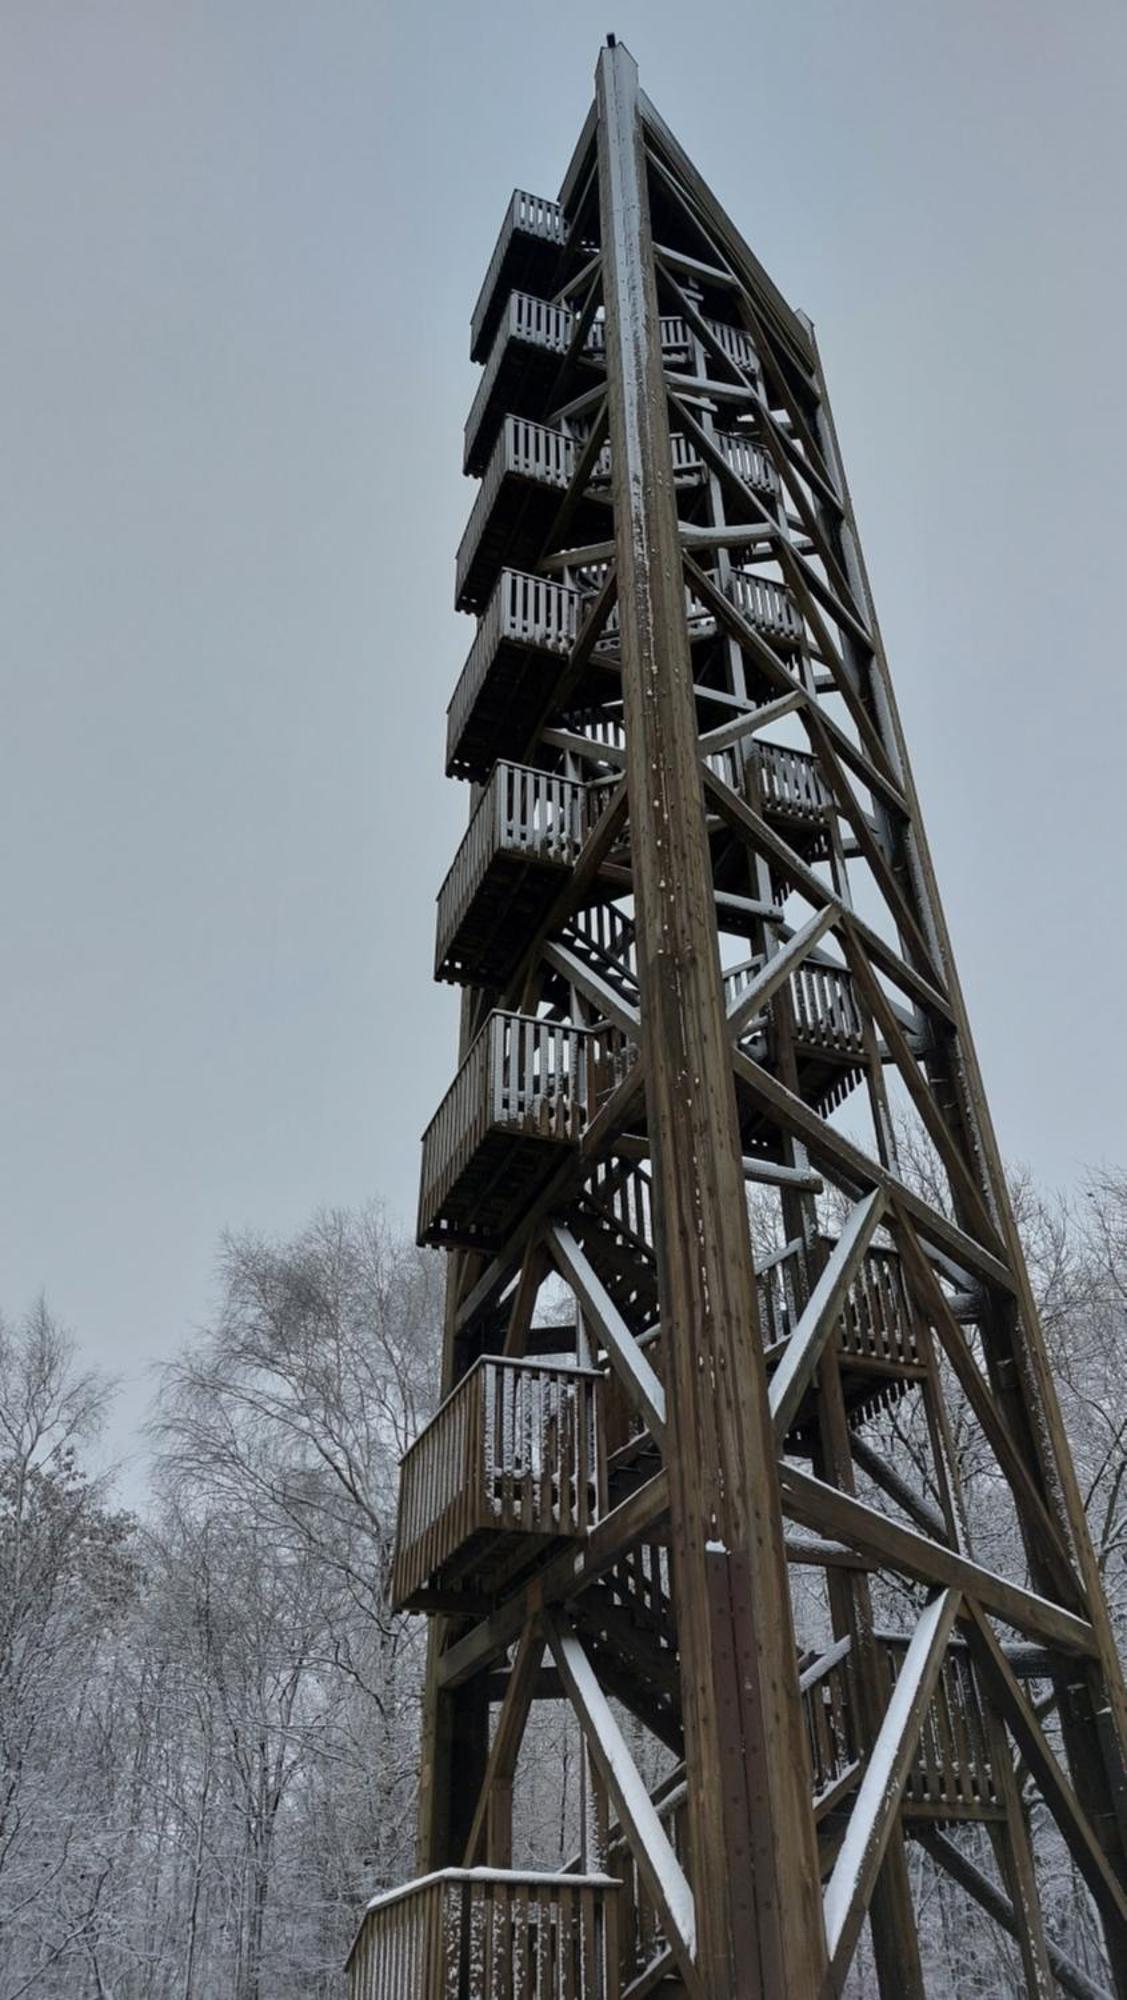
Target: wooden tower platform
[705,978]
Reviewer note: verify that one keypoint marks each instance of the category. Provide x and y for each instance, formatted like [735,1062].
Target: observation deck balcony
[533,337]
[525,258]
[510,1463]
[522,643]
[529,470]
[489,1934]
[523,838]
[523,1095]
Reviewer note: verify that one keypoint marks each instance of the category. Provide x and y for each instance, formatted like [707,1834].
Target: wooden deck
[511,1462]
[489,1934]
[522,840]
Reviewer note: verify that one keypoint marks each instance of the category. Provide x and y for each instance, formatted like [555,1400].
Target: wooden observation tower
[705,982]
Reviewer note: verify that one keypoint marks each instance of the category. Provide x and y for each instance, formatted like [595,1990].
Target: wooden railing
[522,611]
[826,1014]
[877,1322]
[789,781]
[766,605]
[521,1074]
[522,451]
[534,321]
[526,215]
[831,1732]
[823,1003]
[532,814]
[489,1934]
[547,457]
[677,337]
[952,1766]
[753,465]
[783,1287]
[515,1448]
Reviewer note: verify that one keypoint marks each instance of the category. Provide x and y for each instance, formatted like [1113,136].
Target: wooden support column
[752,1834]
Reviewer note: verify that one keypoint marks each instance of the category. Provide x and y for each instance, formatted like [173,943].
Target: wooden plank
[855,1171]
[587,980]
[491,1826]
[885,1475]
[878,1801]
[933,1304]
[968,1195]
[821,1313]
[745,726]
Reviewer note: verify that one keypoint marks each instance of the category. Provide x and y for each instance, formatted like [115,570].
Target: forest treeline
[208,1714]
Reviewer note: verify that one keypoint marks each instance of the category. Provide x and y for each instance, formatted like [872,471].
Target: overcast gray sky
[240,242]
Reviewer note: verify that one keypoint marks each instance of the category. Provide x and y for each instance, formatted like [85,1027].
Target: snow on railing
[876,1322]
[489,1934]
[534,815]
[536,323]
[526,215]
[823,1005]
[790,782]
[522,611]
[514,1449]
[530,1077]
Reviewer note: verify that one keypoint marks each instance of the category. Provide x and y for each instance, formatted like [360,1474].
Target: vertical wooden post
[754,1857]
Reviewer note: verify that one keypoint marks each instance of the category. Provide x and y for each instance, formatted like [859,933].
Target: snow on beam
[635,1372]
[886,1773]
[657,1863]
[804,1348]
